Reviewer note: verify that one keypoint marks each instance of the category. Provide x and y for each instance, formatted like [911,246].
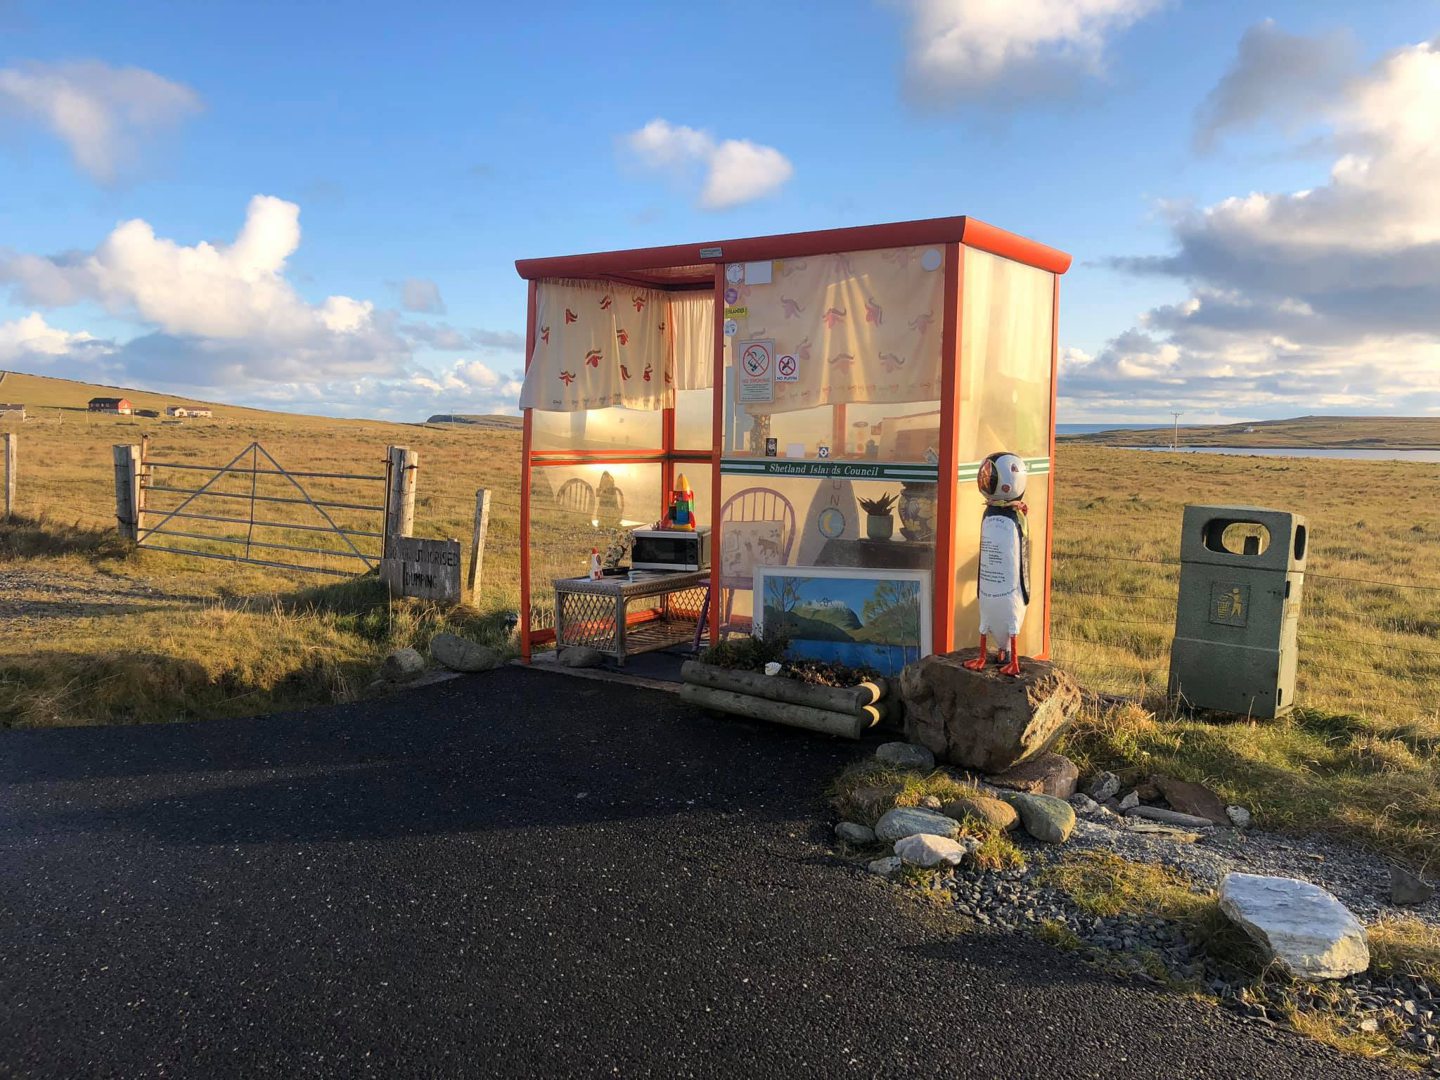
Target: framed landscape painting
[844,615]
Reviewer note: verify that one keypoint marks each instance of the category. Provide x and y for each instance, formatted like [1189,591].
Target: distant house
[118,405]
[11,411]
[188,410]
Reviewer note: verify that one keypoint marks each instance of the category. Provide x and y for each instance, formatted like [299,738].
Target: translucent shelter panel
[695,420]
[574,508]
[1006,341]
[815,345]
[1006,330]
[805,521]
[615,428]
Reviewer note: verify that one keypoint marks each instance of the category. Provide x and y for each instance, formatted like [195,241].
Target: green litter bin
[1242,572]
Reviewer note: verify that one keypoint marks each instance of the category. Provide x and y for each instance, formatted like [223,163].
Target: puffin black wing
[1023,523]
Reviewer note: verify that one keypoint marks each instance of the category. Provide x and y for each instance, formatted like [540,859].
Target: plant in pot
[879,522]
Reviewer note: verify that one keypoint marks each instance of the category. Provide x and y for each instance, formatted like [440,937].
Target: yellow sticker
[737,312]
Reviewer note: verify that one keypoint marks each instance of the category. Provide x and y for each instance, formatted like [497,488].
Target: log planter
[844,711]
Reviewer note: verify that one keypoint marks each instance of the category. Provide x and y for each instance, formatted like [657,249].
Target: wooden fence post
[400,500]
[12,461]
[477,546]
[127,491]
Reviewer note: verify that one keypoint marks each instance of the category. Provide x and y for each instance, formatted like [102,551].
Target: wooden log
[779,712]
[841,699]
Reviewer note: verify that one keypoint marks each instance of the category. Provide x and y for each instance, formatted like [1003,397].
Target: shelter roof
[682,265]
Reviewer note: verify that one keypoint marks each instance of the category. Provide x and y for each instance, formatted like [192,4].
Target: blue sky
[434,144]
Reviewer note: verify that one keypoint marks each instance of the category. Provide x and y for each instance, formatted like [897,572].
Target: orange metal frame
[646,266]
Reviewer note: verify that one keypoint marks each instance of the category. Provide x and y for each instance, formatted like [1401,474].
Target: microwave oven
[671,549]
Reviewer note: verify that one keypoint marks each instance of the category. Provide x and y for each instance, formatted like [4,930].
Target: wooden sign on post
[427,569]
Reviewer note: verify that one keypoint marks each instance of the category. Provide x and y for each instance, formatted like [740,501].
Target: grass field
[97,633]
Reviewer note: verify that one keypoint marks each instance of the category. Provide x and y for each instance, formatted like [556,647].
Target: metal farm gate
[262,507]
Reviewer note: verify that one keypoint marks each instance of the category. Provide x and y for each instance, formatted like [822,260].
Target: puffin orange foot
[1012,660]
[978,663]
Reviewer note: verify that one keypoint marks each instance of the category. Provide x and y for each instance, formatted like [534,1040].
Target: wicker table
[621,617]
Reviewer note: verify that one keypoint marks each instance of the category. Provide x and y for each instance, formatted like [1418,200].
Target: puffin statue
[1004,587]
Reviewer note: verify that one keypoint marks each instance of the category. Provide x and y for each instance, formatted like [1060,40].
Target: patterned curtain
[599,344]
[863,327]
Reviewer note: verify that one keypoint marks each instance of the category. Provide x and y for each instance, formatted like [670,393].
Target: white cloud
[447,338]
[225,312]
[967,49]
[467,386]
[421,294]
[1320,299]
[735,170]
[102,113]
[31,339]
[221,321]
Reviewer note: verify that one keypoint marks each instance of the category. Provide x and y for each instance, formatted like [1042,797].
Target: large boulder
[983,808]
[1045,774]
[906,821]
[1194,799]
[1407,889]
[984,720]
[462,654]
[1103,785]
[1045,817]
[922,849]
[852,832]
[402,665]
[1308,932]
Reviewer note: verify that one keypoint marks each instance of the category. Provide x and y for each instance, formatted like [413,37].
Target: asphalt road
[516,874]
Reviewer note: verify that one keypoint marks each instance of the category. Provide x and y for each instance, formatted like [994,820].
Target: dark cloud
[1275,76]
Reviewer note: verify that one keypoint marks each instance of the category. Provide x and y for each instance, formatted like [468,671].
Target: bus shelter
[807,386]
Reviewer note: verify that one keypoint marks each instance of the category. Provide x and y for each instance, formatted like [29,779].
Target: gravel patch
[1155,950]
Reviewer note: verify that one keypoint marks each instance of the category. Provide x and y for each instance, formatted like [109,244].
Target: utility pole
[1175,435]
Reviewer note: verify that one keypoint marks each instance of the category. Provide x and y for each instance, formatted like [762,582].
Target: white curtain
[693,317]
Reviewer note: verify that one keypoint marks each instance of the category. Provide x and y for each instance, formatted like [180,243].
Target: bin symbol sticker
[1229,603]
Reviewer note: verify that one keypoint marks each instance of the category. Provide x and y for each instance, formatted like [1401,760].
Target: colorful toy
[1004,588]
[681,515]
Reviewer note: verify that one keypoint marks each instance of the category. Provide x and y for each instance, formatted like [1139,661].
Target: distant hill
[1310,432]
[835,612]
[39,392]
[513,423]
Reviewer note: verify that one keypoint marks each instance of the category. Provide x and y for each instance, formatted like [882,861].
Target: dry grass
[1312,771]
[1104,884]
[1405,945]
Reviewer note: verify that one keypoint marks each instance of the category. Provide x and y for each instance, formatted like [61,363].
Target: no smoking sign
[757,371]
